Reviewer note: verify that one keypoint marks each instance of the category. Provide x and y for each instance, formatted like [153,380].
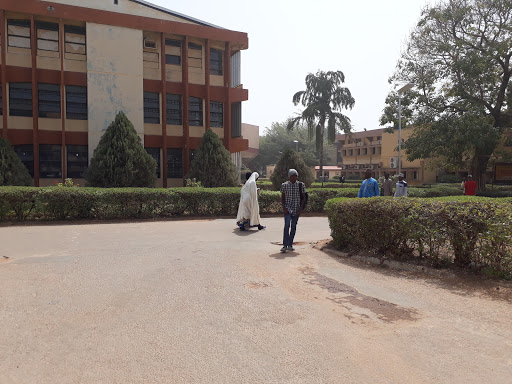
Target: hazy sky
[290,38]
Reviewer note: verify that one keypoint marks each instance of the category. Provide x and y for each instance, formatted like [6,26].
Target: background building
[378,151]
[68,67]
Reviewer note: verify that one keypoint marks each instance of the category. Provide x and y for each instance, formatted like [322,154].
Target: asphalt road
[197,301]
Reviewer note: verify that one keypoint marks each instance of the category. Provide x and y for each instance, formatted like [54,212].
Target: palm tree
[323,99]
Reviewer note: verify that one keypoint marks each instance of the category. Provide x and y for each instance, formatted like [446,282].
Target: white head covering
[292,172]
[248,208]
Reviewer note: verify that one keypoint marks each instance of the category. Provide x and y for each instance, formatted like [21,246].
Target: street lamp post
[402,90]
[296,145]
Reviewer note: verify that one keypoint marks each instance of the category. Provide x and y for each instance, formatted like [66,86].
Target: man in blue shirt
[370,186]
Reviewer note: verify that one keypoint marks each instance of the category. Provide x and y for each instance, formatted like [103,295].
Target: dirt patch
[258,285]
[4,259]
[384,310]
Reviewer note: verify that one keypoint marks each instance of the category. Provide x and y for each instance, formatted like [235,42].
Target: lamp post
[402,90]
[296,145]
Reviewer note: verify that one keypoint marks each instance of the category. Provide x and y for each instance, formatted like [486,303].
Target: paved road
[197,301]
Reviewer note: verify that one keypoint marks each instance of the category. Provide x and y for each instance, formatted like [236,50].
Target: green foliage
[457,57]
[466,231]
[277,138]
[12,170]
[212,164]
[119,160]
[290,160]
[450,179]
[323,100]
[192,183]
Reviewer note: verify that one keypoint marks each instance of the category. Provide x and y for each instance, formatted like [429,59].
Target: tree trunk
[322,153]
[479,170]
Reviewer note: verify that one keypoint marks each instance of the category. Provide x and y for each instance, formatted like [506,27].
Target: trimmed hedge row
[464,231]
[61,203]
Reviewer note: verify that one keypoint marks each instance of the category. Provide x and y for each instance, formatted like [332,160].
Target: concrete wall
[123,6]
[114,79]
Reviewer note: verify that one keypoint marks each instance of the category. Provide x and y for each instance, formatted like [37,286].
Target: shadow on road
[283,255]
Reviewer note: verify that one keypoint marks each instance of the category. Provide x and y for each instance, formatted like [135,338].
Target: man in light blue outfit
[370,186]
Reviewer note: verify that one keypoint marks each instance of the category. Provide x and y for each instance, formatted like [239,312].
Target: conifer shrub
[290,160]
[120,160]
[212,165]
[12,170]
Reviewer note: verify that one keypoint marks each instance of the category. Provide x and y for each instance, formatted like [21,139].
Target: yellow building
[68,67]
[378,150]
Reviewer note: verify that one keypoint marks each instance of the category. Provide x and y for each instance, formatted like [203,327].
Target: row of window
[361,151]
[195,55]
[18,36]
[173,107]
[20,101]
[50,160]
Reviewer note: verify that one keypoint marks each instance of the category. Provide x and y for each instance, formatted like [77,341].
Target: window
[195,56]
[344,152]
[174,163]
[77,160]
[216,115]
[155,154]
[351,152]
[236,119]
[20,99]
[151,108]
[47,36]
[215,62]
[365,151]
[415,175]
[74,40]
[195,111]
[374,151]
[18,33]
[358,152]
[49,100]
[173,53]
[173,106]
[26,154]
[191,155]
[76,102]
[50,157]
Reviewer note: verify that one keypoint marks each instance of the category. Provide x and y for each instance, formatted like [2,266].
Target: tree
[277,138]
[212,164]
[12,170]
[322,99]
[458,57]
[290,159]
[120,160]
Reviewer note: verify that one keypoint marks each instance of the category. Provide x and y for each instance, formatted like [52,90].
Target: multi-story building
[377,150]
[68,67]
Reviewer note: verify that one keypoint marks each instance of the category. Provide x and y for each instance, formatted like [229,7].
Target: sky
[288,39]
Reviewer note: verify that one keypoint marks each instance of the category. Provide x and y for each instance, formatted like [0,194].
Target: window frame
[25,153]
[27,88]
[24,23]
[45,102]
[195,115]
[82,164]
[216,117]
[151,111]
[53,162]
[47,26]
[170,111]
[154,152]
[80,113]
[174,163]
[216,64]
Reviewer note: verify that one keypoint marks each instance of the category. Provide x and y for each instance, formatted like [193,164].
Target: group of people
[293,201]
[370,186]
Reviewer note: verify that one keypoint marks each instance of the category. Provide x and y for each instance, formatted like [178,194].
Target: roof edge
[173,13]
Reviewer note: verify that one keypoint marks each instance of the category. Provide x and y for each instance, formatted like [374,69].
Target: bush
[212,165]
[466,231]
[12,170]
[119,160]
[290,159]
[449,179]
[495,193]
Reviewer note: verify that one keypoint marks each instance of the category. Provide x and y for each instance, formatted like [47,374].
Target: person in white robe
[248,209]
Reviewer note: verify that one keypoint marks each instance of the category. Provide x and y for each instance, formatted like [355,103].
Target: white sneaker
[290,248]
[283,249]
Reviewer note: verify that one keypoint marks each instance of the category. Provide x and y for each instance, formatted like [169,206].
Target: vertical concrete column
[3,75]
[164,111]
[62,100]
[35,100]
[207,84]
[227,85]
[186,94]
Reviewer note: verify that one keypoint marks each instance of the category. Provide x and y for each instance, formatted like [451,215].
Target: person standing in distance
[401,186]
[387,185]
[293,199]
[370,186]
[470,186]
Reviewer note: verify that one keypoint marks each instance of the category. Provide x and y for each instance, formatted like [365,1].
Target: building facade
[377,150]
[69,66]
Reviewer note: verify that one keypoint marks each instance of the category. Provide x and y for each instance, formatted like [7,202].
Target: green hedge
[466,231]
